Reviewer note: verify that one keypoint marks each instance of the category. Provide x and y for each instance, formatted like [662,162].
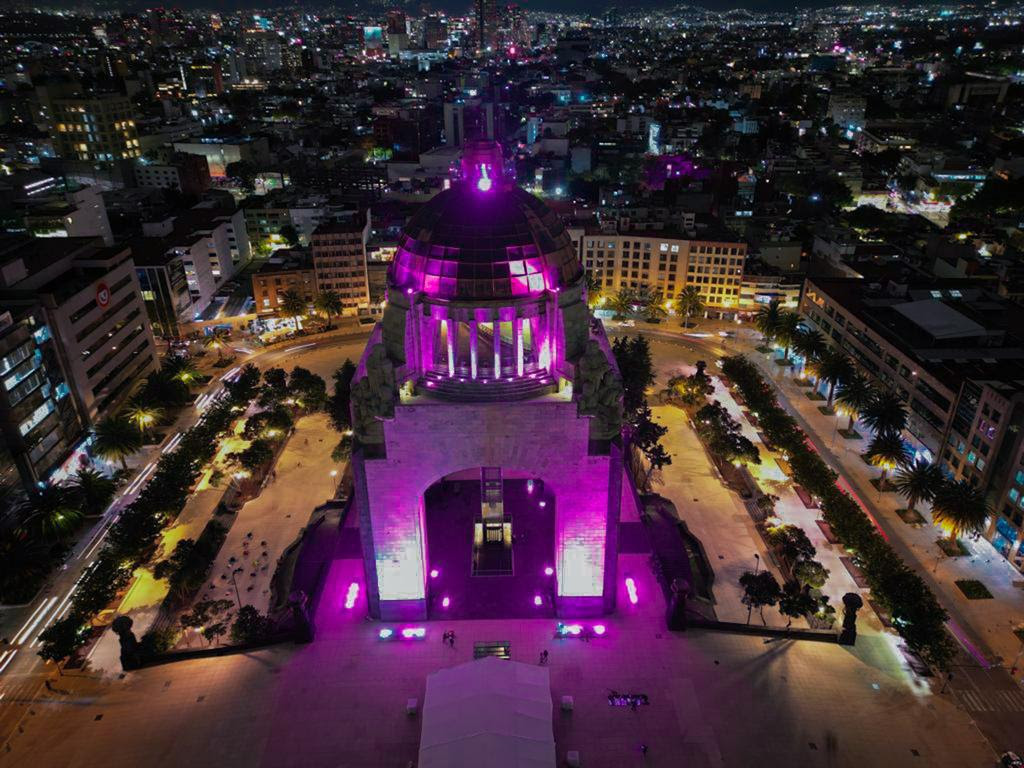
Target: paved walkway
[716,700]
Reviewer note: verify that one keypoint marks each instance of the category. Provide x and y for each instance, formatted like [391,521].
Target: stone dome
[478,242]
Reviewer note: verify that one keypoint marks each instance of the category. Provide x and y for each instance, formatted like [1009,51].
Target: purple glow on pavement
[976,654]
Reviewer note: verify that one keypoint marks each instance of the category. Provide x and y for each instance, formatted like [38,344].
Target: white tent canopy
[489,713]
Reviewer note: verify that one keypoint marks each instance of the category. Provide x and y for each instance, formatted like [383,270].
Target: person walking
[543,657]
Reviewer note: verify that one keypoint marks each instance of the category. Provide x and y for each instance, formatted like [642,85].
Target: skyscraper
[486,24]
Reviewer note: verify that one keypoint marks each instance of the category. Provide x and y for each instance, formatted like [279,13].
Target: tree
[654,306]
[26,561]
[182,369]
[689,303]
[788,331]
[328,303]
[886,414]
[960,508]
[633,357]
[244,171]
[833,367]
[795,600]
[339,406]
[290,235]
[767,321]
[259,453]
[115,439]
[646,437]
[217,338]
[61,639]
[594,291]
[162,387]
[792,543]
[92,490]
[919,482]
[759,591]
[250,626]
[50,512]
[723,436]
[887,451]
[214,631]
[624,303]
[293,305]
[142,414]
[343,450]
[809,344]
[308,389]
[855,396]
[811,573]
[243,388]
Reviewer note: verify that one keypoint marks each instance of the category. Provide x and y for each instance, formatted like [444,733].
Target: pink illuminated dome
[484,239]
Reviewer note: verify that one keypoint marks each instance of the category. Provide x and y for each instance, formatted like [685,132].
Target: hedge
[915,612]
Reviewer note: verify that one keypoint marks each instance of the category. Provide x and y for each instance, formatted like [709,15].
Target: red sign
[102,295]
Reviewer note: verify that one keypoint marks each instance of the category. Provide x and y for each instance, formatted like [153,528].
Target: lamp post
[238,598]
[757,563]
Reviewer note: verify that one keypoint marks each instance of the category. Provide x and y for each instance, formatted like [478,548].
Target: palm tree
[919,482]
[856,394]
[50,512]
[26,561]
[623,302]
[182,369]
[689,303]
[115,439]
[593,278]
[142,414]
[92,490]
[788,330]
[328,303]
[767,321]
[809,344]
[292,304]
[887,451]
[832,367]
[217,339]
[885,414]
[961,508]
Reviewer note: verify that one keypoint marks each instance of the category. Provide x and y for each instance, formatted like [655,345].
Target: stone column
[517,343]
[450,326]
[472,348]
[496,339]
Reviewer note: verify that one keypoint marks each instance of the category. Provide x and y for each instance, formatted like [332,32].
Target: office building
[94,128]
[339,258]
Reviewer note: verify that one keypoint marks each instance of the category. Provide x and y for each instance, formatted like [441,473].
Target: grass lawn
[952,548]
[910,516]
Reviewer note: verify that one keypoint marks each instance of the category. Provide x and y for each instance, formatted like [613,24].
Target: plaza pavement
[716,700]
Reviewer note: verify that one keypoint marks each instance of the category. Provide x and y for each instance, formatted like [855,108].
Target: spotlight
[631,589]
[600,629]
[549,571]
[411,632]
[434,573]
[446,602]
[537,600]
[385,634]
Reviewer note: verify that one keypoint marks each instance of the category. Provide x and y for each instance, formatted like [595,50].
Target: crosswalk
[991,701]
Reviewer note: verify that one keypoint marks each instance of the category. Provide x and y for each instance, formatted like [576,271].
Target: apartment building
[954,351]
[97,128]
[667,264]
[90,301]
[289,269]
[339,259]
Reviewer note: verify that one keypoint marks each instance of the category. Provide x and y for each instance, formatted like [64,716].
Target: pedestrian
[451,639]
[543,657]
[49,685]
[643,750]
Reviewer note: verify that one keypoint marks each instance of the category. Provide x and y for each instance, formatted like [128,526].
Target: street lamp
[757,563]
[234,583]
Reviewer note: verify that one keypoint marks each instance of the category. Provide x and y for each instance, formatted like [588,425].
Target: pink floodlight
[352,595]
[446,602]
[631,589]
[483,184]
[410,632]
[549,571]
[537,600]
[434,573]
[600,629]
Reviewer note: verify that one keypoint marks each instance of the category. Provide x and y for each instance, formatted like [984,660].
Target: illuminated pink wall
[428,441]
